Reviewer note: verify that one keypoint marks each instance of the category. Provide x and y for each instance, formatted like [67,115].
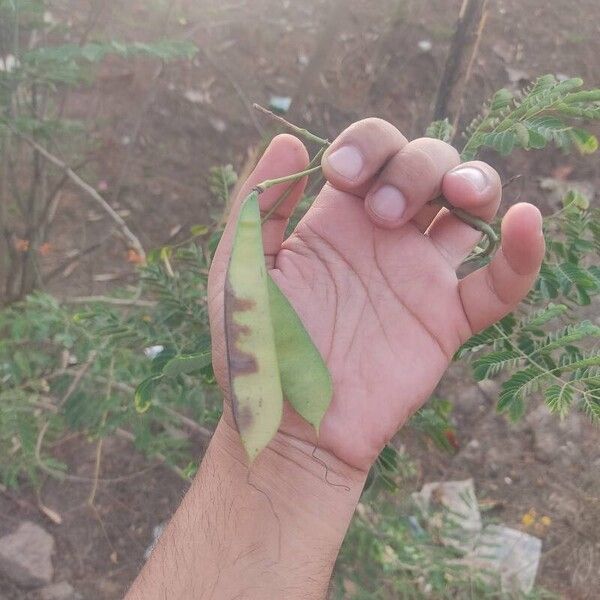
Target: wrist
[306,484]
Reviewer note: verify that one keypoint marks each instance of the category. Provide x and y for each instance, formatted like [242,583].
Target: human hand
[371,271]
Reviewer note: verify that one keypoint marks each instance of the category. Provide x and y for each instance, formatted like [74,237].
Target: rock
[59,591]
[25,555]
[450,508]
[494,457]
[551,435]
[472,452]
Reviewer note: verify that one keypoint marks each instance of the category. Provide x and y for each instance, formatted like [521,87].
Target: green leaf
[501,100]
[566,335]
[542,316]
[199,230]
[143,393]
[503,141]
[187,363]
[514,390]
[585,142]
[220,182]
[440,130]
[491,364]
[575,199]
[590,401]
[559,398]
[305,379]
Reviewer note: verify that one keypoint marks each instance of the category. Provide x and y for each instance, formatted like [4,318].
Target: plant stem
[265,185]
[314,162]
[304,133]
[475,222]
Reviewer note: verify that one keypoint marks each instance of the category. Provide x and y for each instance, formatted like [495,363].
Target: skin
[381,299]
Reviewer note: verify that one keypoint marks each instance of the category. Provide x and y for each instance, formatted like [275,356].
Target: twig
[469,17]
[121,433]
[285,195]
[109,300]
[86,187]
[97,462]
[300,131]
[72,259]
[141,112]
[203,432]
[268,183]
[469,71]
[42,433]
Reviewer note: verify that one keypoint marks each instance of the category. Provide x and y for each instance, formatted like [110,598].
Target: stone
[551,434]
[59,591]
[26,556]
[472,452]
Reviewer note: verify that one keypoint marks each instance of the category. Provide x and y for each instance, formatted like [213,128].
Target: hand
[371,271]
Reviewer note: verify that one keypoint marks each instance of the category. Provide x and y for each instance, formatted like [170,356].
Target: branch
[109,300]
[90,191]
[464,40]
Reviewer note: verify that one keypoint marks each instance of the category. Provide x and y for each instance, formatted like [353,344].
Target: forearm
[271,531]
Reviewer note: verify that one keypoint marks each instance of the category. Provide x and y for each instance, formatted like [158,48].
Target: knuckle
[437,148]
[376,127]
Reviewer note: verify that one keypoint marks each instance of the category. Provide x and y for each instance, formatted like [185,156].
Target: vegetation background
[148,102]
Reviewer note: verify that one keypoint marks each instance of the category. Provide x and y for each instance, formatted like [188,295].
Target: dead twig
[108,300]
[462,51]
[134,242]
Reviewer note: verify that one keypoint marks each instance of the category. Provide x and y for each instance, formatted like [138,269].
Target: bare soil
[158,131]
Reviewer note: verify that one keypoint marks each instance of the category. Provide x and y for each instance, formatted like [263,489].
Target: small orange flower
[45,249]
[21,245]
[134,257]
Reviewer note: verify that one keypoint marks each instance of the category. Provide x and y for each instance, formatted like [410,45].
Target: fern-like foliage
[545,349]
[548,112]
[441,130]
[220,182]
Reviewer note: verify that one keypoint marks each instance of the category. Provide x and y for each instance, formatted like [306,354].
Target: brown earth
[159,131]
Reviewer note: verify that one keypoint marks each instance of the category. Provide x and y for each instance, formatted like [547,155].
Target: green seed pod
[304,375]
[254,381]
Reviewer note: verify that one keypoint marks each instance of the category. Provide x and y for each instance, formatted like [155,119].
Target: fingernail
[476,177]
[388,203]
[347,161]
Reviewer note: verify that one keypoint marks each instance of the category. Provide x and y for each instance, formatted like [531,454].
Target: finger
[495,290]
[359,153]
[284,155]
[411,178]
[476,188]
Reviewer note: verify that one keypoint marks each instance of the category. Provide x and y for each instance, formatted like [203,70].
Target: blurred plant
[37,72]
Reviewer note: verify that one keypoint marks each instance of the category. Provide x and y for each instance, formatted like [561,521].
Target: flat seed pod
[305,379]
[254,381]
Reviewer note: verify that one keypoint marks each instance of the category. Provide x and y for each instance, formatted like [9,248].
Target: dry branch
[134,242]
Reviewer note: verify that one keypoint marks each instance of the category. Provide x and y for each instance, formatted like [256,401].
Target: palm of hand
[383,308]
[382,304]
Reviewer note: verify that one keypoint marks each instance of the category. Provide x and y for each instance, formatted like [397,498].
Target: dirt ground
[158,131]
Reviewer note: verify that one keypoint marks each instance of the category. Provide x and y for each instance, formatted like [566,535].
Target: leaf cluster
[544,346]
